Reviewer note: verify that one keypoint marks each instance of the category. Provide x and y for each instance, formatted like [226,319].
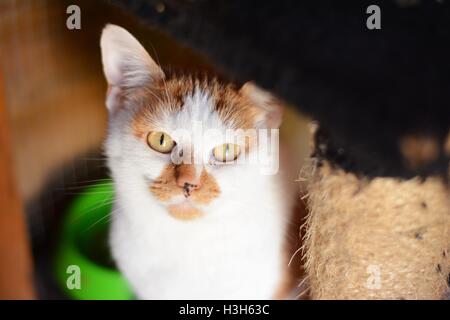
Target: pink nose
[187,178]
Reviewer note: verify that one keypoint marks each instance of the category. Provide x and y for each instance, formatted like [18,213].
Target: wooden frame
[16,279]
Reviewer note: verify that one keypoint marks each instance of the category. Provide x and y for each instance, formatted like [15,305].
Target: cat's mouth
[183,201]
[184,210]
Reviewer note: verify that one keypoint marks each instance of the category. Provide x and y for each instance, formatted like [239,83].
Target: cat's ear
[126,64]
[270,109]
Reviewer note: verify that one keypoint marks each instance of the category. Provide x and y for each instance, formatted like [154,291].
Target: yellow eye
[226,152]
[160,141]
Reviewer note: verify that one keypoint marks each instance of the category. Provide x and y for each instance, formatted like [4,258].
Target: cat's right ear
[126,64]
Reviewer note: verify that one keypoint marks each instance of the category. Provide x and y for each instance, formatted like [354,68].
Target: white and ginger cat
[207,227]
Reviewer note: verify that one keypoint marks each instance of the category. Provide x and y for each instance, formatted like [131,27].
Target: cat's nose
[188,176]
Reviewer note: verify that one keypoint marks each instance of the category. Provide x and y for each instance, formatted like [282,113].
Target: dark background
[367,88]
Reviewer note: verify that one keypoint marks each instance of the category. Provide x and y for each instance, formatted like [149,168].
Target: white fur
[234,251]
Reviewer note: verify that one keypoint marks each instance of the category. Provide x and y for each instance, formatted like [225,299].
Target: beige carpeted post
[383,238]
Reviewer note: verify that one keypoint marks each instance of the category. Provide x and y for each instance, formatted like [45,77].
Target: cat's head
[182,135]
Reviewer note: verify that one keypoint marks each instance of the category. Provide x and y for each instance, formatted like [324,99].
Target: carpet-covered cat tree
[378,193]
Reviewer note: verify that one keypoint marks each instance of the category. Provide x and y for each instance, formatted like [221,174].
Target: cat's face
[188,138]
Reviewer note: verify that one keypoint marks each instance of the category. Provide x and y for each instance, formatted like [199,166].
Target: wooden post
[16,280]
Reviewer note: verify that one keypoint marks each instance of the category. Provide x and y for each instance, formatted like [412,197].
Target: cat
[202,226]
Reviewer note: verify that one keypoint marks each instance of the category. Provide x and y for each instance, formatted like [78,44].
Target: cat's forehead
[183,102]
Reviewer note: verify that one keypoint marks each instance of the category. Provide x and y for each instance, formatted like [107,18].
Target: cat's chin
[184,211]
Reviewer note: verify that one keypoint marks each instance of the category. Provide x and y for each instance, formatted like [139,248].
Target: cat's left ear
[126,64]
[270,108]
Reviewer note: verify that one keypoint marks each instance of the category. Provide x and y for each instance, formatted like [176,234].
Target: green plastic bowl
[84,244]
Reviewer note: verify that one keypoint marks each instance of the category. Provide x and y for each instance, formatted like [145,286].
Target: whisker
[105,202]
[85,186]
[100,220]
[89,192]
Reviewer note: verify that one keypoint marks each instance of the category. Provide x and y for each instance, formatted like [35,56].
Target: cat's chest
[216,237]
[166,258]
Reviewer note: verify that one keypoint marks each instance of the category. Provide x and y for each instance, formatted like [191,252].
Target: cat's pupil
[161,139]
[225,151]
